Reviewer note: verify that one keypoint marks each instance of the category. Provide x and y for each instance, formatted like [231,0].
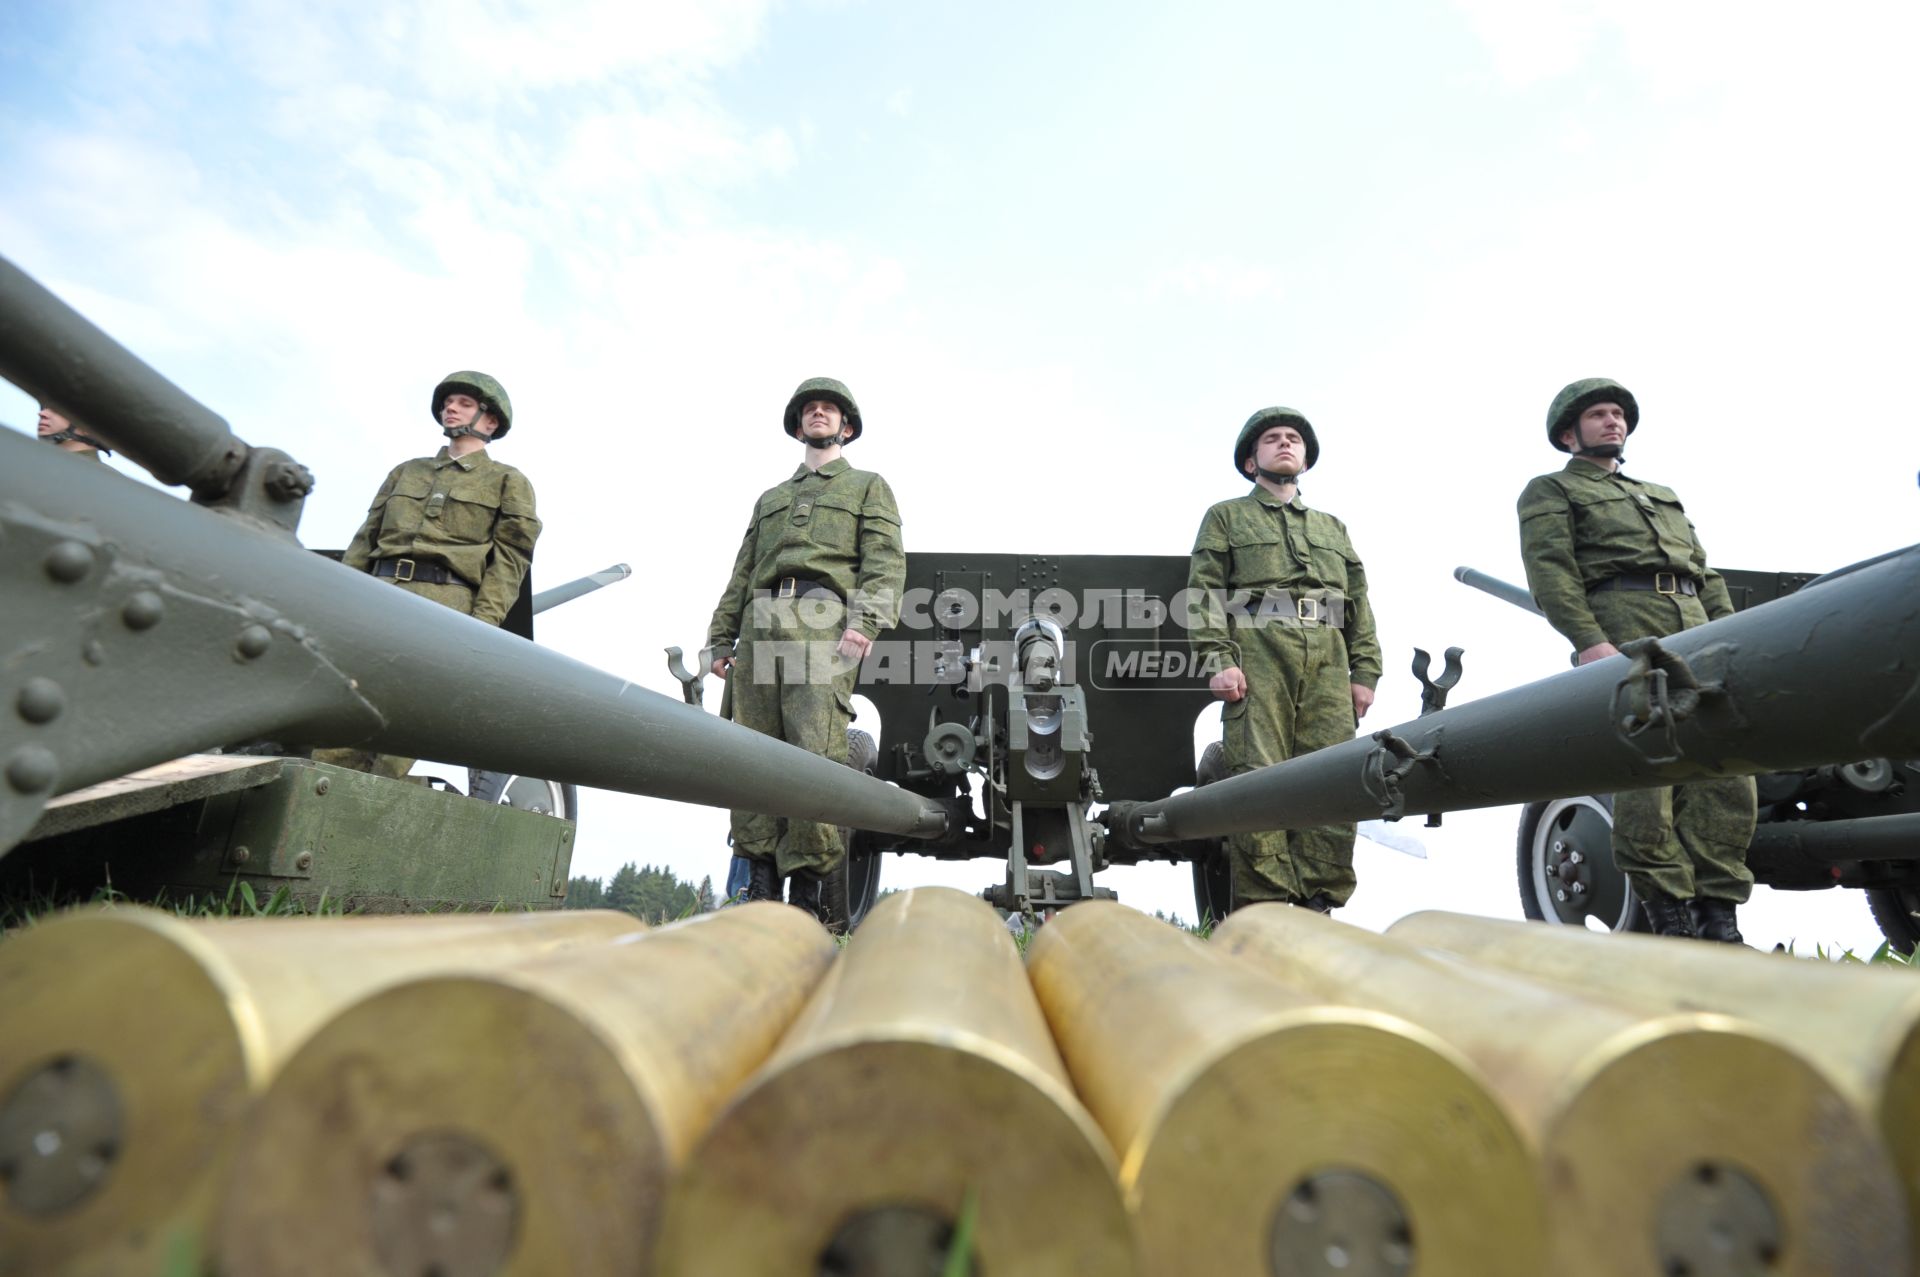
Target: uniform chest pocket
[406,504]
[1260,557]
[1669,518]
[832,521]
[466,515]
[1331,553]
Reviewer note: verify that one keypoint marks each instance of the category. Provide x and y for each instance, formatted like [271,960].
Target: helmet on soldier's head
[491,394]
[1259,423]
[823,388]
[1581,395]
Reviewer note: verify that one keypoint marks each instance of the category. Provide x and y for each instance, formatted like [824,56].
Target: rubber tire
[569,797]
[1213,874]
[862,864]
[1525,850]
[1895,909]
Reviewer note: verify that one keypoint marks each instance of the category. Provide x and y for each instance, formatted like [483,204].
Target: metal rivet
[242,854]
[69,561]
[303,861]
[93,653]
[143,611]
[322,785]
[254,641]
[41,700]
[32,769]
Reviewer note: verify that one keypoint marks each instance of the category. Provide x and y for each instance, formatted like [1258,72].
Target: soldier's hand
[1598,652]
[854,645]
[721,664]
[1230,684]
[1362,699]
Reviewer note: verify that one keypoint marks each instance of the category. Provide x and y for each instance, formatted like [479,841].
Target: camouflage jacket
[1584,525]
[1256,543]
[472,515]
[835,525]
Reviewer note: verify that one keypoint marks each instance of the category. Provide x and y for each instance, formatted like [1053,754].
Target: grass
[1885,955]
[960,1253]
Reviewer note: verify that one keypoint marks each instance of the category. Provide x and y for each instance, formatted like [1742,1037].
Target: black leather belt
[800,587]
[1320,608]
[1655,582]
[414,570]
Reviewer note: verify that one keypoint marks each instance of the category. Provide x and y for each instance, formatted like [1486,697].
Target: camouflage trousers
[460,599]
[1299,699]
[787,681]
[1689,840]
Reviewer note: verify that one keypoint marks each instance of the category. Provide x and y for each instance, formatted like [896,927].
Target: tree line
[649,892]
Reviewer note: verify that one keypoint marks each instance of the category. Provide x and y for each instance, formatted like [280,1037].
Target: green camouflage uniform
[1299,673]
[473,516]
[840,527]
[1585,525]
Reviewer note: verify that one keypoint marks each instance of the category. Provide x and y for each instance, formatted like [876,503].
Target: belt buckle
[1671,587]
[1306,609]
[403,563]
[786,589]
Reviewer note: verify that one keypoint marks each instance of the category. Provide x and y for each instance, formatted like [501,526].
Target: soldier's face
[50,423]
[1602,424]
[820,419]
[1280,449]
[460,410]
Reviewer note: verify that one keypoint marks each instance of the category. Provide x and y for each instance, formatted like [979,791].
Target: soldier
[821,565]
[457,527]
[1297,644]
[53,427]
[1610,559]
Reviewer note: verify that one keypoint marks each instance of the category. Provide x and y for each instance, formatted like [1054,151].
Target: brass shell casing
[919,1077]
[1860,1027]
[1623,1106]
[539,1111]
[1228,1095]
[181,1024]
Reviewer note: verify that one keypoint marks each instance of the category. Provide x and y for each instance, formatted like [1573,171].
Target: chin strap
[70,434]
[455,432]
[1274,476]
[822,444]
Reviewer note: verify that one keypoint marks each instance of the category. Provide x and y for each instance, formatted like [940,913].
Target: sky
[1059,253]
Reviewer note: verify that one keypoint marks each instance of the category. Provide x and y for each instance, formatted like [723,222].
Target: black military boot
[1715,920]
[1320,902]
[803,892]
[825,896]
[762,882]
[1668,916]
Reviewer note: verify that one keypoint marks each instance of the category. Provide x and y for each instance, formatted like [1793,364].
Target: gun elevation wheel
[1565,854]
[1213,873]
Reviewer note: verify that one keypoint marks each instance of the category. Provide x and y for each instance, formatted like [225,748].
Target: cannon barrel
[1832,842]
[149,627]
[1826,675]
[51,351]
[585,585]
[1505,591]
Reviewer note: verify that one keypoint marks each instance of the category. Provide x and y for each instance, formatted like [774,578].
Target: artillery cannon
[142,628]
[1852,825]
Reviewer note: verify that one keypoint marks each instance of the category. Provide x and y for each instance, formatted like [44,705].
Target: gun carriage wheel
[1566,870]
[1897,910]
[1212,873]
[862,865]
